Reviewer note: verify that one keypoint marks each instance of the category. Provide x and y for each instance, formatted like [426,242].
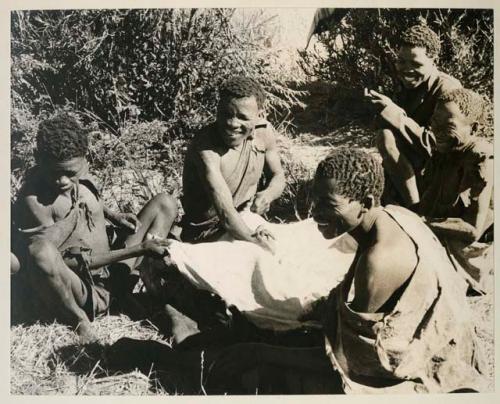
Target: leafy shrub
[143,80]
[138,64]
[360,52]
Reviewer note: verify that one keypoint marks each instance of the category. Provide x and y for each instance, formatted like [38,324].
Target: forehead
[413,54]
[73,164]
[239,102]
[327,188]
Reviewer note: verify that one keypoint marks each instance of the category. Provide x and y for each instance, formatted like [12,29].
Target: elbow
[475,235]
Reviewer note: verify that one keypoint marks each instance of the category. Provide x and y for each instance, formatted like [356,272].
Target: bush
[130,64]
[360,52]
[144,80]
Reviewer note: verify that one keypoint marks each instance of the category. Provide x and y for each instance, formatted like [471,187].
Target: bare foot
[84,331]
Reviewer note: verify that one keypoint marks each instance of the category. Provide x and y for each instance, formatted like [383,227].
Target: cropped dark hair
[422,36]
[240,86]
[355,172]
[61,138]
[471,104]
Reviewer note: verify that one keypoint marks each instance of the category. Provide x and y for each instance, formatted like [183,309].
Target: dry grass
[47,359]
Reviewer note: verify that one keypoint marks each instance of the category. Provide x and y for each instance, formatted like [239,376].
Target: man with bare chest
[224,164]
[61,246]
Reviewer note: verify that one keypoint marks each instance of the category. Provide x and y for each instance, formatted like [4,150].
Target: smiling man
[404,138]
[225,163]
[397,323]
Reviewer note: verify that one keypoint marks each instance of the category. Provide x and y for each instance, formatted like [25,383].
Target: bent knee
[45,256]
[166,204]
[386,142]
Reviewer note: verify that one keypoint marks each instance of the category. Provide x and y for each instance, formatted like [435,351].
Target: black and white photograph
[251,201]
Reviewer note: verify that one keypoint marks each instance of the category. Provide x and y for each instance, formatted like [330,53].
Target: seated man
[398,322]
[403,138]
[61,242]
[224,164]
[457,197]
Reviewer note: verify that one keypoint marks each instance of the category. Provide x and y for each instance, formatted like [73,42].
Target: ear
[474,127]
[367,203]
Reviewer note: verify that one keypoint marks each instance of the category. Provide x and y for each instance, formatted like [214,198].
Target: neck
[365,233]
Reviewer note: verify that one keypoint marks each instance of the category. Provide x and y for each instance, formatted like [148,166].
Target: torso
[451,180]
[392,261]
[57,207]
[196,201]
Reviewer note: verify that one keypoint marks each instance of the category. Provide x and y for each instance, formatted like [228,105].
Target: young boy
[61,221]
[398,322]
[224,164]
[457,185]
[403,137]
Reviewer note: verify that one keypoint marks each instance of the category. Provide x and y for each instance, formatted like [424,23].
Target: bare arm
[208,165]
[379,273]
[392,116]
[470,227]
[273,166]
[41,221]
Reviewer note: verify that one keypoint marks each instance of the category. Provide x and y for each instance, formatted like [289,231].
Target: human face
[450,127]
[236,119]
[413,66]
[335,214]
[62,176]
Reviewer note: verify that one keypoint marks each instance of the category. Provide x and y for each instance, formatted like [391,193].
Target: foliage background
[360,52]
[143,80]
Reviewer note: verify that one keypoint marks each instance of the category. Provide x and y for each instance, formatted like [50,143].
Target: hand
[261,203]
[265,239]
[377,99]
[232,361]
[126,220]
[157,247]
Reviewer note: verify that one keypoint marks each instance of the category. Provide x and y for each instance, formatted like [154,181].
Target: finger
[128,224]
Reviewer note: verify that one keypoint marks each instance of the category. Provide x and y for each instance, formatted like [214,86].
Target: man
[403,137]
[61,242]
[398,322]
[224,164]
[457,186]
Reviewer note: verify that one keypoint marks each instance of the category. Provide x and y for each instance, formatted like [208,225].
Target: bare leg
[15,266]
[398,167]
[156,218]
[59,287]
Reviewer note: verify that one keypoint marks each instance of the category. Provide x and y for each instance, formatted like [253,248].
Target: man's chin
[409,84]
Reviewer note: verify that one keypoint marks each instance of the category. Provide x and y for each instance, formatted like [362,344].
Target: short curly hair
[241,86]
[356,173]
[423,37]
[471,104]
[61,138]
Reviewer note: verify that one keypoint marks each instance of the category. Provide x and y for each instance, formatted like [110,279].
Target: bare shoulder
[265,134]
[29,211]
[202,150]
[394,254]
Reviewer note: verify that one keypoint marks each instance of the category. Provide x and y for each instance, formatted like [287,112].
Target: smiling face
[450,127]
[335,214]
[62,176]
[236,119]
[413,66]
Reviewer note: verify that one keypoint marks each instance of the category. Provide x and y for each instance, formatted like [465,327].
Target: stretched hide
[272,290]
